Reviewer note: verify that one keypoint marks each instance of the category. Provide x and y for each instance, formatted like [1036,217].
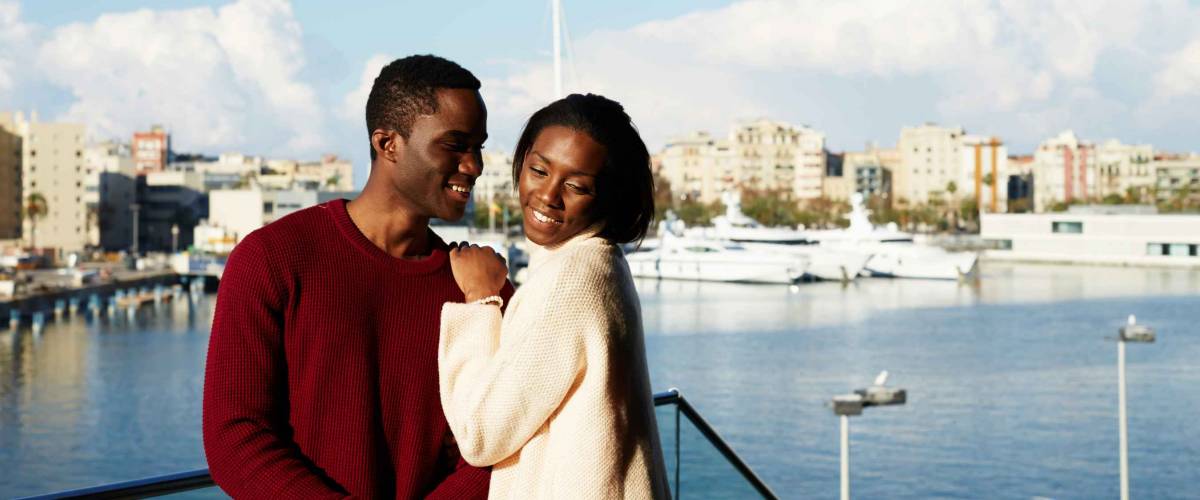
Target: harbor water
[1011,385]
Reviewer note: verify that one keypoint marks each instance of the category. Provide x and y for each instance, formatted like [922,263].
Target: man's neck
[390,224]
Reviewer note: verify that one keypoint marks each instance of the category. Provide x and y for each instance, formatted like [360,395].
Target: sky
[290,79]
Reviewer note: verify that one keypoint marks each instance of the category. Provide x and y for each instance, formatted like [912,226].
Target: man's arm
[246,438]
[465,482]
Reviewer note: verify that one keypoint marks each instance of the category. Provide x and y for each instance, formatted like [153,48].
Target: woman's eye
[539,172]
[579,189]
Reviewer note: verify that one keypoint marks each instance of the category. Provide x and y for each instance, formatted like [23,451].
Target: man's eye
[457,146]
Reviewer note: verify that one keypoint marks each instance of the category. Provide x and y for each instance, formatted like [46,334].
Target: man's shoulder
[301,231]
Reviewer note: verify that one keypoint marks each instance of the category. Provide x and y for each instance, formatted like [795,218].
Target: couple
[355,354]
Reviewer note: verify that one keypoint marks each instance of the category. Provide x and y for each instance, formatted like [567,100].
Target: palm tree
[35,208]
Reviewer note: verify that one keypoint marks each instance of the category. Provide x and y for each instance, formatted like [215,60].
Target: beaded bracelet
[491,299]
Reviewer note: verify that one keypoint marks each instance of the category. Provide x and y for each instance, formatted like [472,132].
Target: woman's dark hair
[625,186]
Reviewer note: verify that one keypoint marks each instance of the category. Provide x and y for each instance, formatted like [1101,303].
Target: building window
[1066,227]
[999,244]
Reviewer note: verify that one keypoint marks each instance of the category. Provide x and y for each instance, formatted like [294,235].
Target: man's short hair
[407,88]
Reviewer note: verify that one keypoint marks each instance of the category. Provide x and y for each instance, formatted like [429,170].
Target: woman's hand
[479,271]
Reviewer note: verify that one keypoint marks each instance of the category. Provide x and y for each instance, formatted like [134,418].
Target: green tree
[36,208]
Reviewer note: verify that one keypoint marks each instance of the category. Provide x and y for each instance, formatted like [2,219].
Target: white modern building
[1095,237]
[237,212]
[931,160]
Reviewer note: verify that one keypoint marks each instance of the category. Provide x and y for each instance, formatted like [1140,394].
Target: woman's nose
[551,194]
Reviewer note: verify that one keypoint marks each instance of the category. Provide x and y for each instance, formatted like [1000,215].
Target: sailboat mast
[558,80]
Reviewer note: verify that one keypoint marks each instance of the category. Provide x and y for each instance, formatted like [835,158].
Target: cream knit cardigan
[555,395]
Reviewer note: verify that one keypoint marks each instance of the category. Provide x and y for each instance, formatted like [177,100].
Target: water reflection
[689,308]
[1010,383]
[94,399]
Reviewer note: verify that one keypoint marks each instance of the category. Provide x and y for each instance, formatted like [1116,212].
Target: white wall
[239,211]
[1111,239]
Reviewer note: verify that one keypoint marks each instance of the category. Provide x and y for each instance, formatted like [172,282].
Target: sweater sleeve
[496,398]
[246,436]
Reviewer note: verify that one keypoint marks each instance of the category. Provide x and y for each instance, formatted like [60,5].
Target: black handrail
[200,478]
[140,488]
[673,396]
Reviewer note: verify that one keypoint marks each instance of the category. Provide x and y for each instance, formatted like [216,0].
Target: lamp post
[1131,332]
[174,238]
[134,207]
[848,405]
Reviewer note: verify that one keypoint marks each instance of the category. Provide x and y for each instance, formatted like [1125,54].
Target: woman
[555,394]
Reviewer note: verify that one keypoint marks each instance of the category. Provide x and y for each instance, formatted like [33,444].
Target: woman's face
[557,184]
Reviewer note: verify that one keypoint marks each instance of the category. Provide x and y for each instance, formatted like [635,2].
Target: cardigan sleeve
[246,435]
[496,398]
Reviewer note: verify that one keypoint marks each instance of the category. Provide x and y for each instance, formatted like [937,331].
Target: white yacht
[736,227]
[702,259]
[893,253]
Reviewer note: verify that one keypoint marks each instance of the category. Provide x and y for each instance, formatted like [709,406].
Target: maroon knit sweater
[322,368]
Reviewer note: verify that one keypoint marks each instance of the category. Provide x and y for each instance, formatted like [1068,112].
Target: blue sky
[288,79]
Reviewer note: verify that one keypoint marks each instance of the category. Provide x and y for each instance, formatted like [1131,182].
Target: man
[322,367]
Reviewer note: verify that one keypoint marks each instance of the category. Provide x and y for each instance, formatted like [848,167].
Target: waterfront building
[110,187]
[699,167]
[151,150]
[237,212]
[330,174]
[496,178]
[984,173]
[1064,170]
[1124,168]
[778,156]
[52,168]
[930,161]
[1117,235]
[1177,177]
[870,172]
[10,178]
[170,204]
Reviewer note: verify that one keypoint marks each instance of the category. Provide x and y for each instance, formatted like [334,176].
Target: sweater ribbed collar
[539,254]
[437,258]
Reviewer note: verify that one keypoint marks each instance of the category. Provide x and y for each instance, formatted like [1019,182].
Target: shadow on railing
[708,475]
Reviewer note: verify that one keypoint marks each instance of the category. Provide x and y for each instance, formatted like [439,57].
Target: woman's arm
[496,398]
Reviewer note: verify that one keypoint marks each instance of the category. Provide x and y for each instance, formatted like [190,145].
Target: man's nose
[471,164]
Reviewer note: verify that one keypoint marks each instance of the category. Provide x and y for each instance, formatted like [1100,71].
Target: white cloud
[354,104]
[1180,75]
[15,42]
[998,63]
[223,79]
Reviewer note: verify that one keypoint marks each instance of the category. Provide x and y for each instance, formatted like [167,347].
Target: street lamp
[174,238]
[848,405]
[134,207]
[1131,332]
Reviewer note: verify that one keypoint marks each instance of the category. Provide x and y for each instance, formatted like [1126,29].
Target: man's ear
[387,144]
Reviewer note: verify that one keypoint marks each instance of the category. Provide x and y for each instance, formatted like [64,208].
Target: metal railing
[180,482]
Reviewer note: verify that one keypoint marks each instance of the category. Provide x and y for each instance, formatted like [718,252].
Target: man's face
[441,157]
